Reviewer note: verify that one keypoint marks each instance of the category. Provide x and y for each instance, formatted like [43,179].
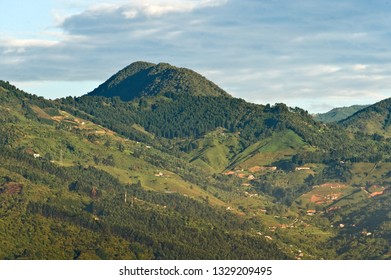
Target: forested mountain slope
[175,118]
[375,119]
[173,161]
[339,114]
[70,189]
[144,78]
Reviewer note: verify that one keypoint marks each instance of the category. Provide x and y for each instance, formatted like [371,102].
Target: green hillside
[71,195]
[279,146]
[339,114]
[374,119]
[177,162]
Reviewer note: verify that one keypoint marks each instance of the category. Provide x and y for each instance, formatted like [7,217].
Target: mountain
[338,114]
[72,189]
[153,102]
[180,123]
[143,78]
[371,120]
[219,134]
[99,177]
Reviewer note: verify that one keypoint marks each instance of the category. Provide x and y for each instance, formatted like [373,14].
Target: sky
[313,54]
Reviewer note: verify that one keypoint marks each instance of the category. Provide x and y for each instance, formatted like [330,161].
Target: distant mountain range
[160,163]
[338,114]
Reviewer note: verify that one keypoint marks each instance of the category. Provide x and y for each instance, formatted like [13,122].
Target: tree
[121,147]
[109,161]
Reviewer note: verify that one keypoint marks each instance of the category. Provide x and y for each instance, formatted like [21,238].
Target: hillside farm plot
[371,173]
[325,194]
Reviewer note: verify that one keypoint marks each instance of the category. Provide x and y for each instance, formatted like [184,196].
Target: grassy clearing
[215,150]
[279,146]
[365,174]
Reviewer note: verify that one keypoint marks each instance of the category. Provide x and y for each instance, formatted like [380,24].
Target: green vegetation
[76,211]
[143,78]
[339,114]
[158,159]
[374,120]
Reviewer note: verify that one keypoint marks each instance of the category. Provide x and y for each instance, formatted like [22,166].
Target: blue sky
[312,54]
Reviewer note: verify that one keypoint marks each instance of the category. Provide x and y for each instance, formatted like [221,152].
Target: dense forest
[176,116]
[92,204]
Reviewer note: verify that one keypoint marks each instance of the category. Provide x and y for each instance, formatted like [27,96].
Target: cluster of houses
[240,175]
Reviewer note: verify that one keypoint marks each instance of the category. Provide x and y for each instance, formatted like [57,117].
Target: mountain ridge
[374,119]
[339,113]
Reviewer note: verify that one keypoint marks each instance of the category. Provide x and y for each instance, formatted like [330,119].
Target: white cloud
[142,33]
[120,16]
[358,35]
[360,67]
[317,88]
[315,70]
[10,46]
[18,43]
[331,36]
[165,8]
[150,8]
[102,7]
[159,8]
[129,14]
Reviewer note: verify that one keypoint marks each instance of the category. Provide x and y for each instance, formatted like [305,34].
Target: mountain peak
[148,79]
